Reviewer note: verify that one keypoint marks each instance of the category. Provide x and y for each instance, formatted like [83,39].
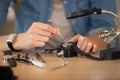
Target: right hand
[84,43]
[36,36]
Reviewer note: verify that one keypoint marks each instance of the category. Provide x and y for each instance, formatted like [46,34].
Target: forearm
[36,36]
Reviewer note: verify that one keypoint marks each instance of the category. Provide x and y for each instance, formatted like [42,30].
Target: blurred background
[9,25]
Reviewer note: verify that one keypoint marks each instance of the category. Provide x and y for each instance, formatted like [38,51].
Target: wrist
[17,42]
[10,42]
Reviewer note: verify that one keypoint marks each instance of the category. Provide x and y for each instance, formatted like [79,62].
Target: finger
[42,26]
[35,37]
[44,33]
[80,42]
[84,44]
[41,38]
[56,31]
[37,44]
[46,27]
[94,50]
[89,47]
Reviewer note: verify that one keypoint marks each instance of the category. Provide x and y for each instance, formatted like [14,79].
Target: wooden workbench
[78,68]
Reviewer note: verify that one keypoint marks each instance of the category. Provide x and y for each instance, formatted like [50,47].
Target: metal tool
[52,24]
[29,60]
[65,62]
[39,57]
[8,56]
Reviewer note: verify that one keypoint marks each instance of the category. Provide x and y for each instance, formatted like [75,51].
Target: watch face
[11,37]
[10,40]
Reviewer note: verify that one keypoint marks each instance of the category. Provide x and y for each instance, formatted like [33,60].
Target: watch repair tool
[30,60]
[52,24]
[8,56]
[39,57]
[110,35]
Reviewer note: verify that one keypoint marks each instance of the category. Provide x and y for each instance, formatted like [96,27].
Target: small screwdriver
[51,23]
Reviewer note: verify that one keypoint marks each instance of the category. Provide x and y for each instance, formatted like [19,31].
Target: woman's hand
[84,44]
[36,36]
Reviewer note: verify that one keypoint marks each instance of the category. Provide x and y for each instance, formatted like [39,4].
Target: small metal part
[9,58]
[60,53]
[66,49]
[110,35]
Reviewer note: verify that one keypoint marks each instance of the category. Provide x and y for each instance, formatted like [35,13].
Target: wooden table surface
[78,68]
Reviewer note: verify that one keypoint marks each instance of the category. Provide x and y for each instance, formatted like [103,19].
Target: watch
[10,41]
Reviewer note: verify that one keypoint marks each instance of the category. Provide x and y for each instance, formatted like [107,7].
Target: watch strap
[10,41]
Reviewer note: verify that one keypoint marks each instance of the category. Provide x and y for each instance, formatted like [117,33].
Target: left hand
[84,44]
